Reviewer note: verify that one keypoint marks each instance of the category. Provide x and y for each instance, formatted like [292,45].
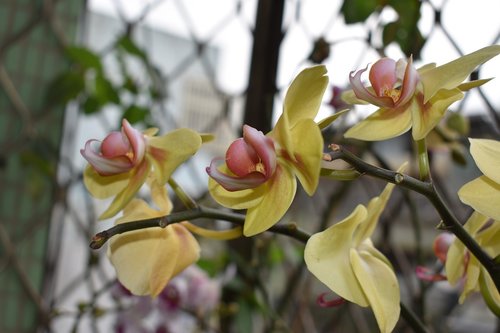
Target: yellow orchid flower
[483,193]
[343,258]
[258,172]
[408,98]
[146,259]
[462,266]
[119,165]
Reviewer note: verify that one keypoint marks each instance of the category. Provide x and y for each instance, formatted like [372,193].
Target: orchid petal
[137,178]
[472,84]
[145,260]
[169,151]
[375,208]
[482,194]
[234,183]
[382,75]
[410,81]
[472,281]
[426,117]
[307,153]
[102,187]
[103,165]
[241,158]
[349,97]
[136,139]
[275,201]
[454,265]
[327,256]
[304,96]
[383,124]
[325,122]
[237,199]
[363,93]
[114,145]
[450,75]
[486,154]
[264,147]
[380,286]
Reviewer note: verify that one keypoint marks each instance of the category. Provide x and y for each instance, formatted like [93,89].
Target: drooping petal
[145,260]
[364,94]
[382,75]
[307,152]
[303,98]
[472,272]
[427,116]
[486,154]
[103,165]
[482,194]
[137,178]
[375,208]
[383,124]
[275,201]
[380,286]
[327,256]
[450,75]
[455,258]
[169,151]
[103,187]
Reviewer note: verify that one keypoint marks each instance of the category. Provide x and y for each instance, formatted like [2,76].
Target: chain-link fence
[209,66]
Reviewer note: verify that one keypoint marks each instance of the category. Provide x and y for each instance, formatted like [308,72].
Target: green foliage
[64,88]
[356,11]
[403,31]
[84,57]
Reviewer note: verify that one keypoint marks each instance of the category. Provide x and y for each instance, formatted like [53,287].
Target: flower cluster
[259,174]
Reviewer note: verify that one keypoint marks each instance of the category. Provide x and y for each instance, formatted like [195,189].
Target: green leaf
[358,10]
[104,91]
[408,37]
[64,88]
[128,45]
[91,105]
[85,57]
[135,114]
[130,85]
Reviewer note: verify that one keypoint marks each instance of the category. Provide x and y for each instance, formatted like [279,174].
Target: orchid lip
[105,166]
[232,183]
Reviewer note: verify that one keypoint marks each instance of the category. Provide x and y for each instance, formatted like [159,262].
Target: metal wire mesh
[199,65]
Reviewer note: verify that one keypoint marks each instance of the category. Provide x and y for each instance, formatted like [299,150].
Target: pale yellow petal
[380,286]
[489,291]
[327,256]
[381,125]
[307,153]
[454,266]
[426,117]
[323,123]
[482,194]
[486,154]
[243,199]
[375,208]
[450,75]
[303,98]
[471,279]
[274,204]
[137,178]
[169,151]
[135,254]
[103,187]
